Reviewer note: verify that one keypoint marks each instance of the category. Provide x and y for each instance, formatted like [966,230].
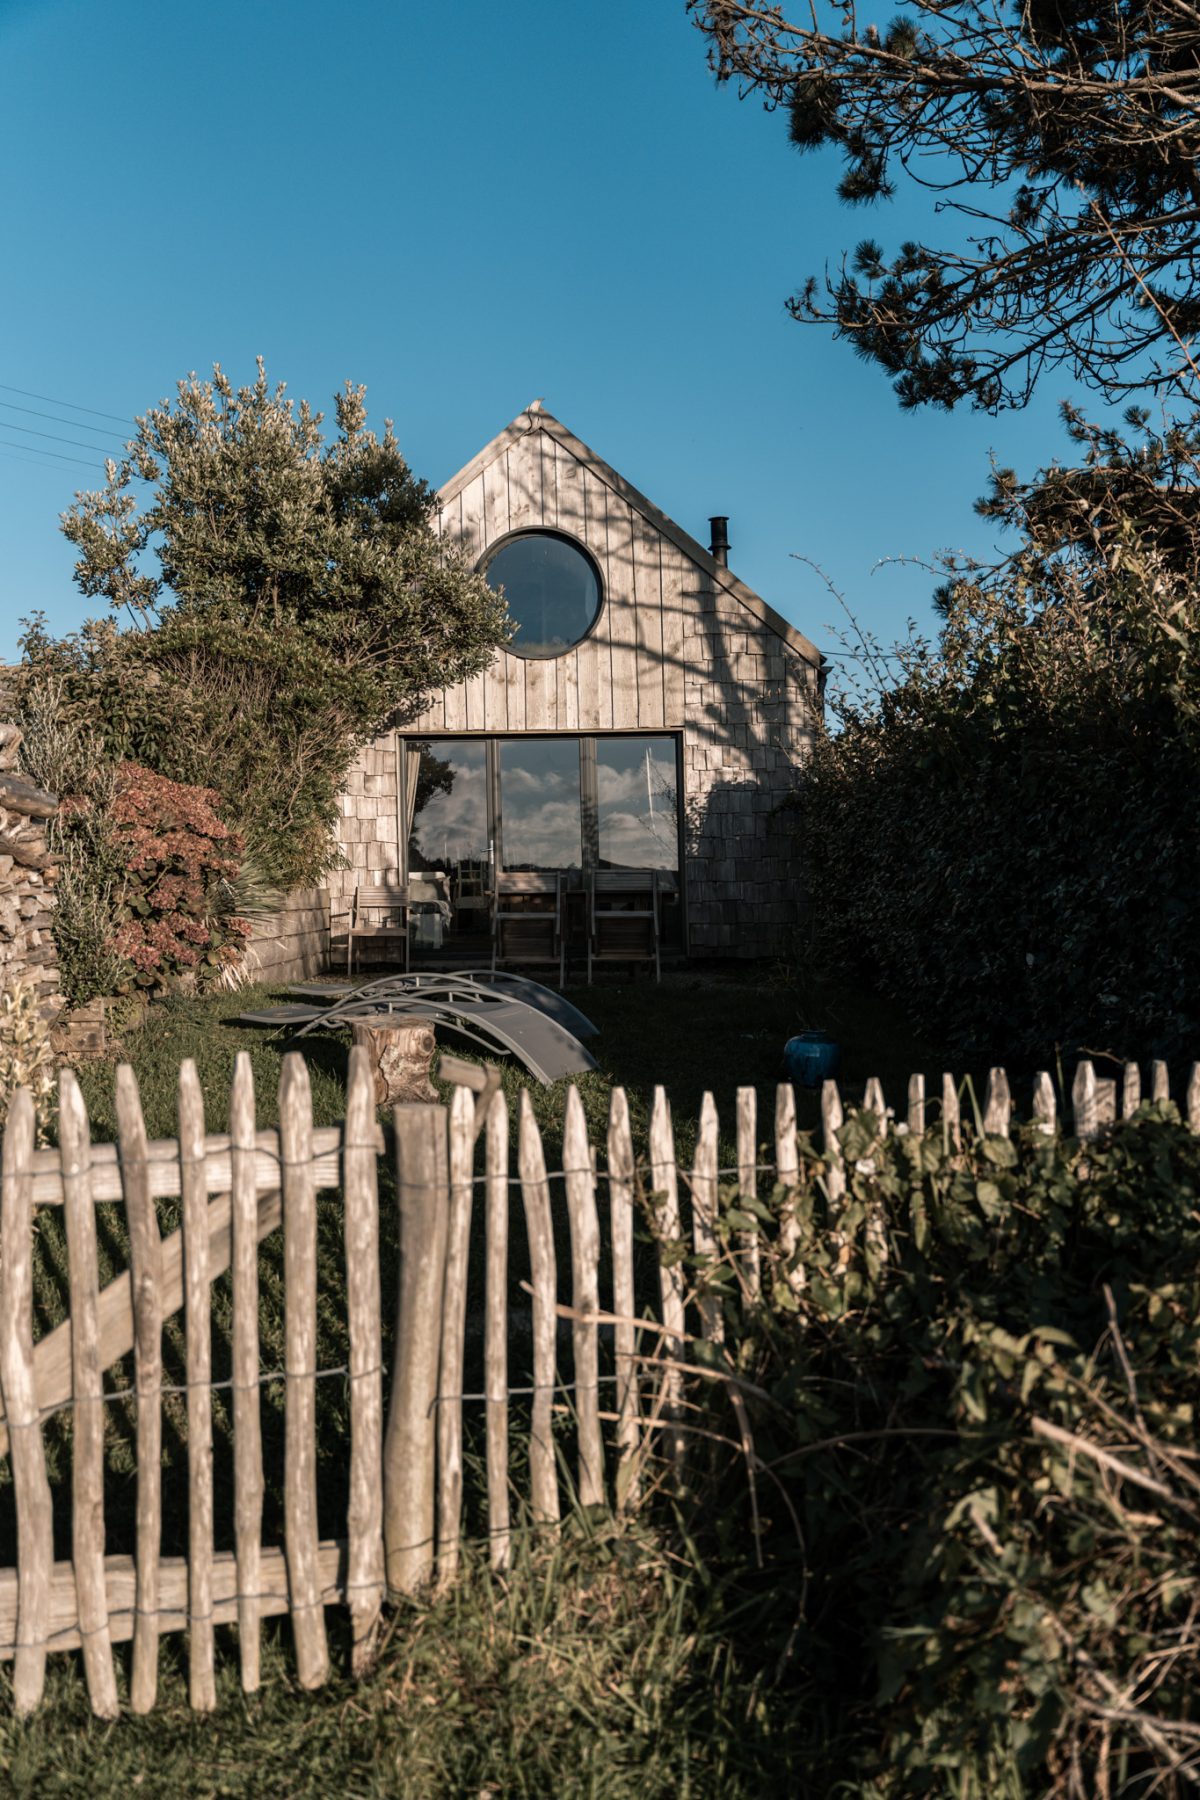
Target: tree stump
[400,1059]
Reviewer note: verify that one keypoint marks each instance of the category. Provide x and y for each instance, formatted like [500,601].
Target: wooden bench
[376,913]
[623,918]
[527,923]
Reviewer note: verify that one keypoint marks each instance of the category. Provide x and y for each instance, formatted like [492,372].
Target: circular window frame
[566,537]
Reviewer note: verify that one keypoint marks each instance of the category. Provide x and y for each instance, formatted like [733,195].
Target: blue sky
[463,206]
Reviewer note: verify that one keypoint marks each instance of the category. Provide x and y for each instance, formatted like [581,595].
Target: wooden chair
[376,913]
[470,897]
[623,918]
[527,923]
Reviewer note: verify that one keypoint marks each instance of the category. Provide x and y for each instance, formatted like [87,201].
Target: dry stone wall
[27,873]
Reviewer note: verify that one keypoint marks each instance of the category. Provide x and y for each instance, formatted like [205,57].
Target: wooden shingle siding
[620,614]
[595,497]
[676,605]
[660,612]
[647,615]
[680,645]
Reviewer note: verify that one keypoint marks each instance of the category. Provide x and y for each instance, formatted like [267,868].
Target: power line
[54,437]
[100,430]
[36,450]
[70,405]
[16,456]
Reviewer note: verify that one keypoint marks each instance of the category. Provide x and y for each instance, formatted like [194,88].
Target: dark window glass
[539,803]
[447,804]
[552,589]
[636,803]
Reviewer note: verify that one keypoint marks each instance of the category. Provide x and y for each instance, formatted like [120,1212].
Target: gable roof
[536,418]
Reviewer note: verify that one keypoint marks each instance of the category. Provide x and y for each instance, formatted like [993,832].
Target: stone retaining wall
[294,944]
[27,875]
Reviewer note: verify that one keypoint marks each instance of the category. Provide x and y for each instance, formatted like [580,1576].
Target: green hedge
[1006,841]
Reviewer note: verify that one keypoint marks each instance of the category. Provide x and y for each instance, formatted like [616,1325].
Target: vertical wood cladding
[673,649]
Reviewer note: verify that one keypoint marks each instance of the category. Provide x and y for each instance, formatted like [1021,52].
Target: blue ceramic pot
[811,1058]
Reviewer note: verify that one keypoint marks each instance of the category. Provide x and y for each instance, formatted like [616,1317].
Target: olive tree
[284,596]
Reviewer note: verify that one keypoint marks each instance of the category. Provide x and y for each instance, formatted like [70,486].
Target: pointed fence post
[248,1482]
[916,1105]
[997,1105]
[1131,1090]
[364,1513]
[876,1232]
[1160,1082]
[1193,1098]
[625,1338]
[35,1506]
[1045,1107]
[585,1298]
[423,1189]
[145,1273]
[495,1340]
[874,1102]
[747,1159]
[543,1278]
[704,1215]
[301,1537]
[1083,1103]
[951,1121]
[202,1688]
[665,1189]
[87,1386]
[831,1124]
[454,1323]
[787,1168]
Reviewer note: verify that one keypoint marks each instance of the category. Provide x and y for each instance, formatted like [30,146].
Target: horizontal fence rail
[606,1436]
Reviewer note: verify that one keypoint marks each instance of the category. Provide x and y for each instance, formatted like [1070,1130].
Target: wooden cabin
[651,714]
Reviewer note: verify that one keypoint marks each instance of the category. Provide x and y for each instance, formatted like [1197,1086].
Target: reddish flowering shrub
[177,857]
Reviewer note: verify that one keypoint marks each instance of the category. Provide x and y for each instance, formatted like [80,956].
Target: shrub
[84,923]
[64,753]
[1005,838]
[289,600]
[173,917]
[151,878]
[973,1442]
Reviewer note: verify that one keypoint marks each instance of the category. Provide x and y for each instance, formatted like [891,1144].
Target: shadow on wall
[742,858]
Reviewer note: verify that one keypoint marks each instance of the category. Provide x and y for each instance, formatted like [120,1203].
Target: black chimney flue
[718,547]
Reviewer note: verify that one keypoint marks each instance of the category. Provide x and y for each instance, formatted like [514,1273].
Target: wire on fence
[114,1395]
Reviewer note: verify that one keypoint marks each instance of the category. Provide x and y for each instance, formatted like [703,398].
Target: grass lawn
[600,1667]
[605,1665]
[717,1030]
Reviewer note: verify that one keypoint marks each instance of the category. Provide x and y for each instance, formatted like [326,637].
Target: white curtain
[408,768]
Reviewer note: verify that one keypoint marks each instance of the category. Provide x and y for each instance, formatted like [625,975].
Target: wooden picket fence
[404,1517]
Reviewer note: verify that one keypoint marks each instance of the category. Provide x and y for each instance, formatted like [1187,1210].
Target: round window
[553,591]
